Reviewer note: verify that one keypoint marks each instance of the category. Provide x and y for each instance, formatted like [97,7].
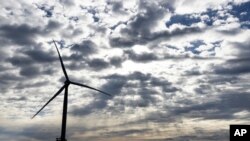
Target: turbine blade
[82,85]
[57,93]
[63,68]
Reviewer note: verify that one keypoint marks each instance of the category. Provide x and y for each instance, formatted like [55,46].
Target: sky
[178,70]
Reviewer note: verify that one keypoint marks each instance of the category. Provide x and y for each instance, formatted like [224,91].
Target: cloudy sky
[178,70]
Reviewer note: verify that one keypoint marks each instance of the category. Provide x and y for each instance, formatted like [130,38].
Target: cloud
[238,64]
[29,61]
[169,65]
[143,57]
[40,56]
[48,10]
[8,80]
[98,64]
[117,7]
[224,108]
[85,48]
[119,85]
[30,71]
[140,25]
[19,34]
[116,61]
[23,85]
[53,25]
[131,39]
[17,99]
[233,67]
[24,34]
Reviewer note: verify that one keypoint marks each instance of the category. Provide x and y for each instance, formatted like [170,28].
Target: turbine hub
[66,82]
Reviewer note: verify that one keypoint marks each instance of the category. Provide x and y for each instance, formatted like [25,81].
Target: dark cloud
[142,57]
[116,81]
[94,64]
[76,65]
[25,34]
[8,80]
[243,50]
[25,85]
[145,86]
[170,89]
[32,61]
[144,21]
[116,61]
[34,71]
[129,40]
[120,85]
[19,34]
[85,48]
[213,81]
[30,71]
[80,57]
[122,42]
[98,64]
[40,56]
[99,102]
[236,66]
[116,7]
[52,25]
[90,108]
[22,98]
[223,79]
[224,108]
[67,2]
[192,72]
[203,89]
[233,68]
[19,61]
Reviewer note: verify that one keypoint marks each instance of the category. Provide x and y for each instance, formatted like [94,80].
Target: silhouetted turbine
[65,101]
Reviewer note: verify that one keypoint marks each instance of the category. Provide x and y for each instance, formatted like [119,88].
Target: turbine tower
[65,101]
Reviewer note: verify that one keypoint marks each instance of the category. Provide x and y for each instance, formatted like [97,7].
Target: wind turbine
[65,101]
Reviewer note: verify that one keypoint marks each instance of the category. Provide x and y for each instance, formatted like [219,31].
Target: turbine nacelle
[67,82]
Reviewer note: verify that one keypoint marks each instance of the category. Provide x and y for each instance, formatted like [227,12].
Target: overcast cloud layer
[174,67]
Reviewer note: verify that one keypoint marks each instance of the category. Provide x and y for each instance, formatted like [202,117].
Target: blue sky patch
[186,19]
[48,10]
[240,11]
[194,45]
